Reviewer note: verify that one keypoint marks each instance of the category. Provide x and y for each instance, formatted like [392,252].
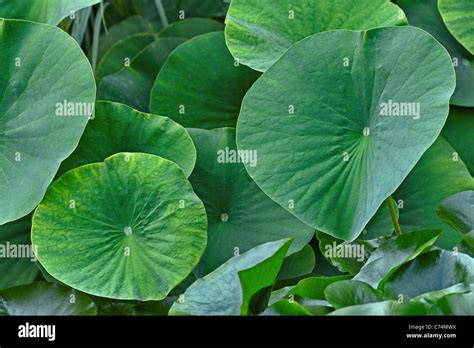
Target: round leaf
[48,91]
[118,128]
[335,135]
[43,298]
[200,85]
[259,32]
[128,228]
[240,215]
[459,18]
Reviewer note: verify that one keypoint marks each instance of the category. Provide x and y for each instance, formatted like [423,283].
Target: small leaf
[228,289]
[350,293]
[392,254]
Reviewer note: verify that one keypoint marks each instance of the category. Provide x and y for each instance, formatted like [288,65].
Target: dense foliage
[243,157]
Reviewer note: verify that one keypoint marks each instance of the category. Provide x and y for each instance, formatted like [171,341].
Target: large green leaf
[392,254]
[228,290]
[425,15]
[17,260]
[458,132]
[202,8]
[240,215]
[351,293]
[122,53]
[43,298]
[432,271]
[191,27]
[128,228]
[200,85]
[454,304]
[43,69]
[383,308]
[118,128]
[44,11]
[259,32]
[436,176]
[459,18]
[132,84]
[327,150]
[458,211]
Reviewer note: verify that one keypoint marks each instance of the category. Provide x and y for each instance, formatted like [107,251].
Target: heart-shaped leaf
[425,15]
[259,32]
[44,108]
[240,215]
[323,120]
[200,85]
[128,228]
[433,271]
[43,298]
[439,174]
[132,85]
[392,254]
[44,11]
[459,18]
[17,258]
[229,289]
[118,128]
[351,293]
